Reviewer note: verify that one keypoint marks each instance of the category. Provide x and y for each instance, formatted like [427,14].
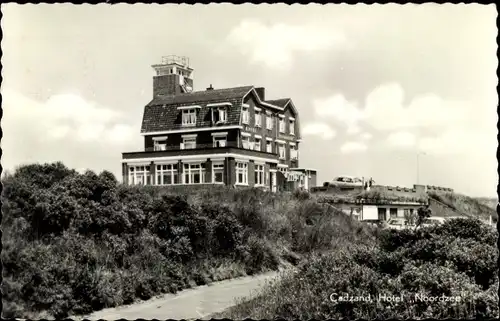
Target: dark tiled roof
[161,113]
[279,102]
[202,96]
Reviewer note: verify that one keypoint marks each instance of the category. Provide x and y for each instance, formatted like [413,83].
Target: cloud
[460,141]
[402,139]
[318,129]
[340,109]
[385,109]
[62,116]
[66,128]
[274,45]
[353,147]
[366,136]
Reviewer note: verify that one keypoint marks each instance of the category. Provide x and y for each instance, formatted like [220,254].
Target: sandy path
[192,303]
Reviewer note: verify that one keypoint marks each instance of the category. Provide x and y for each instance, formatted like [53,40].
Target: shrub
[301,195]
[80,242]
[468,228]
[258,255]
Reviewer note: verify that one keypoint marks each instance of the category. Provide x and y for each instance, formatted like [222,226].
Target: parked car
[347,181]
[433,221]
[398,224]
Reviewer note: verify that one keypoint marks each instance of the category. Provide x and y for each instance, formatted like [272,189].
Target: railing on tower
[172,59]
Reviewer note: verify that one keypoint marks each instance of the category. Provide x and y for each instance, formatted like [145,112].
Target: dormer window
[292,126]
[219,112]
[160,143]
[189,115]
[219,115]
[282,123]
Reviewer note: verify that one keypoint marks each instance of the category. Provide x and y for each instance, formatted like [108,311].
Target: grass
[463,204]
[458,259]
[76,243]
[373,195]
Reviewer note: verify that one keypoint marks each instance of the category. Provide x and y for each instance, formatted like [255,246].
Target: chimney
[261,91]
[210,88]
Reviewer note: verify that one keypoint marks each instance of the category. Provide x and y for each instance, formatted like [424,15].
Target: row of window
[220,140]
[256,144]
[219,115]
[259,116]
[170,71]
[393,212]
[194,173]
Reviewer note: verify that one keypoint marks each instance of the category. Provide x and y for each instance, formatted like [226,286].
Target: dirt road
[195,303]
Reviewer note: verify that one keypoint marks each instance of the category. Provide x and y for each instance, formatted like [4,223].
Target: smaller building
[297,178]
[370,210]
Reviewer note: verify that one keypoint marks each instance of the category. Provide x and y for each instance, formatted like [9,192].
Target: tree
[423,213]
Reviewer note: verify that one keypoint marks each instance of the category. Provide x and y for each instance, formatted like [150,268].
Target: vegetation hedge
[456,259]
[75,243]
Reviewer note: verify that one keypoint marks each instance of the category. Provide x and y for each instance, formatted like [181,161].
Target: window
[188,143]
[381,214]
[269,122]
[257,144]
[245,115]
[160,145]
[220,140]
[217,172]
[219,115]
[282,125]
[281,149]
[242,173]
[258,119]
[269,146]
[189,117]
[294,153]
[292,127]
[139,175]
[393,212]
[259,175]
[194,173]
[167,174]
[245,142]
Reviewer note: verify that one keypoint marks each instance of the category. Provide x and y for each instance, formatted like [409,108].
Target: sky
[400,93]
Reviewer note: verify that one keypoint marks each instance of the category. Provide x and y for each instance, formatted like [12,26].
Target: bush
[468,228]
[428,262]
[80,242]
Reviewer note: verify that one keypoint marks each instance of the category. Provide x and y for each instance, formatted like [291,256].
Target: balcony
[201,149]
[286,137]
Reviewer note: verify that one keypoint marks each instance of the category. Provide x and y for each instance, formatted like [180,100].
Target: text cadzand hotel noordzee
[335,297]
